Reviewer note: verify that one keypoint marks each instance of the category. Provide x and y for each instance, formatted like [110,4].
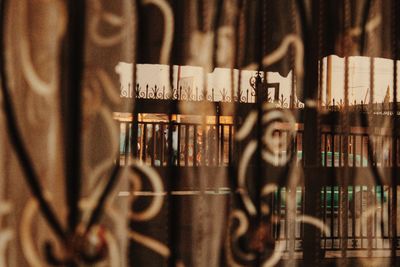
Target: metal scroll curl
[151,210]
[94,246]
[99,243]
[249,228]
[35,82]
[99,14]
[7,234]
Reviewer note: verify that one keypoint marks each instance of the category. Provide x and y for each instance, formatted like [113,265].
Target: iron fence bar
[220,143]
[310,28]
[326,150]
[192,144]
[222,138]
[302,209]
[237,62]
[343,147]
[362,151]
[163,139]
[127,140]
[376,147]
[325,201]
[203,144]
[287,235]
[187,145]
[361,223]
[332,228]
[153,144]
[354,216]
[219,140]
[179,145]
[173,207]
[369,222]
[195,163]
[297,137]
[382,226]
[147,132]
[333,147]
[379,149]
[118,158]
[279,211]
[291,220]
[71,80]
[395,33]
[354,146]
[231,146]
[375,235]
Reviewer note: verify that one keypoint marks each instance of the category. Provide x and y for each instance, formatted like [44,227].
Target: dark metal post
[394,176]
[71,86]
[311,145]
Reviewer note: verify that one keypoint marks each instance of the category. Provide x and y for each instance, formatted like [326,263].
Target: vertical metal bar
[398,158]
[126,147]
[294,148]
[340,217]
[138,147]
[280,154]
[354,145]
[301,209]
[323,148]
[278,208]
[354,215]
[375,153]
[334,148]
[195,145]
[362,152]
[153,143]
[382,151]
[222,138]
[72,69]
[325,201]
[369,222]
[187,149]
[215,149]
[333,215]
[163,144]
[290,215]
[340,149]
[135,129]
[145,144]
[375,216]
[361,223]
[220,142]
[179,145]
[204,145]
[191,144]
[395,49]
[118,159]
[230,140]
[382,210]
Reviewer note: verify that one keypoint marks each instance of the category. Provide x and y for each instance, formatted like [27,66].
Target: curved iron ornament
[233,251]
[152,209]
[14,134]
[166,10]
[99,15]
[33,79]
[6,235]
[71,241]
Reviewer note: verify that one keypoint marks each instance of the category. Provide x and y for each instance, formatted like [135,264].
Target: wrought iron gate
[184,171]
